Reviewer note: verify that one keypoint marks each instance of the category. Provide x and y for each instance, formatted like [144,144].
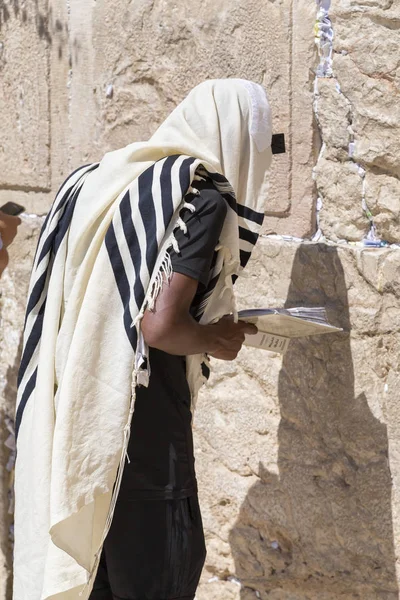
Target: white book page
[288,326]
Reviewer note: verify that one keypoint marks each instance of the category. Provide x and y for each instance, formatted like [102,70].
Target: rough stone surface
[24,96]
[366,110]
[340,187]
[298,458]
[103,74]
[383,200]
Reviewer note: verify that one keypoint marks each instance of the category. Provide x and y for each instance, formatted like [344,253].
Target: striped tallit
[84,354]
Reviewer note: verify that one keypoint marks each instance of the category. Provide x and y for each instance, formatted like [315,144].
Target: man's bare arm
[171,328]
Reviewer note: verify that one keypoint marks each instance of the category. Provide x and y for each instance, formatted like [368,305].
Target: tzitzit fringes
[166,267]
[174,243]
[189,206]
[199,178]
[201,172]
[193,190]
[182,225]
[117,485]
[165,270]
[163,276]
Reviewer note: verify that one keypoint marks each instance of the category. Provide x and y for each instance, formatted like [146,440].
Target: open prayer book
[276,326]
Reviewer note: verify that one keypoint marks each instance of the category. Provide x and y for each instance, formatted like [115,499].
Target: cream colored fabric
[70,444]
[212,123]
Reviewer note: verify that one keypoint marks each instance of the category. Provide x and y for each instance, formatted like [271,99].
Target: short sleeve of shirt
[204,226]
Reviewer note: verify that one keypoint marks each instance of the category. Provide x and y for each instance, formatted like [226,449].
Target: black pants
[155,550]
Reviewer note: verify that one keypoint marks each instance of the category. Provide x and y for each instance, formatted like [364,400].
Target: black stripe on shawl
[133,246]
[184,175]
[31,342]
[93,167]
[244,258]
[50,248]
[242,211]
[36,293]
[63,199]
[148,214]
[121,281]
[55,238]
[217,179]
[42,230]
[65,220]
[30,386]
[166,183]
[166,189]
[147,211]
[230,200]
[249,236]
[216,176]
[250,214]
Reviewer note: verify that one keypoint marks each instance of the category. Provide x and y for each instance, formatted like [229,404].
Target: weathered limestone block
[148,55]
[24,96]
[101,75]
[383,200]
[156,52]
[334,114]
[340,187]
[364,97]
[296,455]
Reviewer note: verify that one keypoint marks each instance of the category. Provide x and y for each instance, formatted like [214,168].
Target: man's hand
[8,228]
[171,328]
[229,337]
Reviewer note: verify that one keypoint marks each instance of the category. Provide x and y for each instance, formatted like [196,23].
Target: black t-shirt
[161,444]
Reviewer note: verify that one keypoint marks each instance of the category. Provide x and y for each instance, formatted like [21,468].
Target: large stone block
[361,106]
[382,194]
[102,75]
[148,55]
[296,455]
[24,96]
[340,188]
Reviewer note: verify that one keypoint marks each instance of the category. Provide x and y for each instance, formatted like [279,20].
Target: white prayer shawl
[101,259]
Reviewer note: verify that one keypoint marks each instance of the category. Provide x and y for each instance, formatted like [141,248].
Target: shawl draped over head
[101,259]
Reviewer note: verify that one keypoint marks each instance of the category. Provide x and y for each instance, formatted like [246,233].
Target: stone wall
[360,105]
[297,457]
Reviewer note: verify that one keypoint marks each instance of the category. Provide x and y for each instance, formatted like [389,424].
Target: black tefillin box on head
[278,143]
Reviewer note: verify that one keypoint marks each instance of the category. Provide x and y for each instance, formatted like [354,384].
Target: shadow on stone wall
[322,529]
